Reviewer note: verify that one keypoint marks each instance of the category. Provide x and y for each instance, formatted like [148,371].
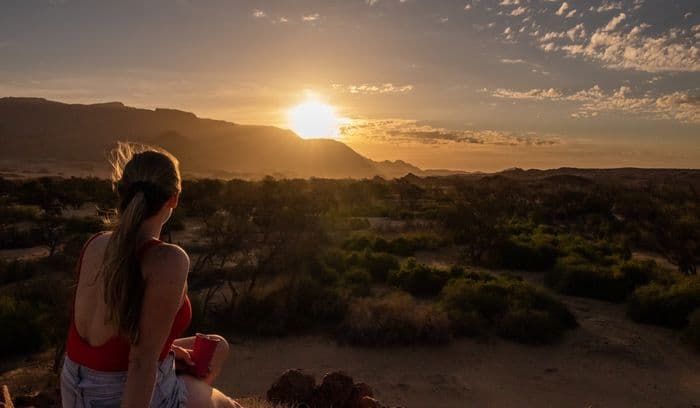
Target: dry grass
[258,402]
[397,318]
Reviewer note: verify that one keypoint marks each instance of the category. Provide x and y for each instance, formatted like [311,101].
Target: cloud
[512,61]
[634,50]
[608,6]
[614,22]
[622,46]
[680,106]
[310,17]
[562,9]
[411,131]
[257,13]
[371,2]
[518,11]
[372,89]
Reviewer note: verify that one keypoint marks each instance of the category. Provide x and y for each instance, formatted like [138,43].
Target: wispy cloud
[512,61]
[617,46]
[680,106]
[257,13]
[607,6]
[308,18]
[562,9]
[411,131]
[371,89]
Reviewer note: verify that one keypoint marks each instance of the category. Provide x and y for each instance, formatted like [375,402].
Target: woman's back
[90,309]
[93,340]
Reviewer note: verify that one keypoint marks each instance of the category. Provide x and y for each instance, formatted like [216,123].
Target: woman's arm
[165,272]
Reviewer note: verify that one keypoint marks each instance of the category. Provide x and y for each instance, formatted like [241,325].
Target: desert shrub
[515,309]
[525,254]
[12,213]
[16,270]
[404,245]
[358,281]
[419,279]
[665,305]
[83,225]
[574,275]
[303,305]
[395,319]
[358,243]
[14,237]
[692,332]
[379,265]
[20,327]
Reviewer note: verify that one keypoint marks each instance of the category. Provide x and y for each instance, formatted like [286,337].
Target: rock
[334,392]
[369,402]
[365,390]
[292,388]
[359,392]
[40,399]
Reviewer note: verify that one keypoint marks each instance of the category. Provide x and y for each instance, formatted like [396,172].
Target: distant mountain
[38,129]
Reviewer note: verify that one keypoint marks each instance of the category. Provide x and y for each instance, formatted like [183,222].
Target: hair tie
[154,195]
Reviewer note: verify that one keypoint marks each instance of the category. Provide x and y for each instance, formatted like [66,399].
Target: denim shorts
[82,387]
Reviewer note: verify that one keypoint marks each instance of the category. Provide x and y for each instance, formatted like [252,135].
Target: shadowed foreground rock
[291,388]
[37,399]
[337,390]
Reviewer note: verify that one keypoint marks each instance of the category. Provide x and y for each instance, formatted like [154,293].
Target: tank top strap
[82,254]
[141,251]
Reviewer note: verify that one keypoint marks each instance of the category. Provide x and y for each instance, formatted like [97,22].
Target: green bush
[391,320]
[12,213]
[83,225]
[13,238]
[515,309]
[524,254]
[404,245]
[380,265]
[577,276]
[303,305]
[665,305]
[16,270]
[692,332]
[419,279]
[358,281]
[20,327]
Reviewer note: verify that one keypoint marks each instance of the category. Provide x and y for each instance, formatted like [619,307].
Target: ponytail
[144,178]
[122,273]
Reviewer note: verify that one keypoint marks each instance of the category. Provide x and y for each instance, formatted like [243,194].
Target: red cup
[202,353]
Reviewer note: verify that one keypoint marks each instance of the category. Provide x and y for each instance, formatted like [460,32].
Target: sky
[469,85]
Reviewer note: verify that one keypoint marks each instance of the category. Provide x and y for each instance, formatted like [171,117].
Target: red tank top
[113,355]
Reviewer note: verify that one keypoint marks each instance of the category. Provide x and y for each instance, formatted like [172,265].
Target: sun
[314,119]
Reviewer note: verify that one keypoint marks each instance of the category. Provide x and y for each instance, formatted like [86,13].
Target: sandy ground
[607,362]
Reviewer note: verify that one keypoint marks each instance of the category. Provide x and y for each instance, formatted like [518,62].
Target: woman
[131,301]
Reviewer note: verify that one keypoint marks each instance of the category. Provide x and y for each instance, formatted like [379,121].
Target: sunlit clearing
[314,119]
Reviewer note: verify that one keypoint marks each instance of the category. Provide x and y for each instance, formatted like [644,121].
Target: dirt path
[609,361]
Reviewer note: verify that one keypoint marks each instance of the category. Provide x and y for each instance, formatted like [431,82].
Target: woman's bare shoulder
[97,243]
[166,259]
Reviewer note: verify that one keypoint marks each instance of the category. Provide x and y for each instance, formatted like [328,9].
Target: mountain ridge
[42,129]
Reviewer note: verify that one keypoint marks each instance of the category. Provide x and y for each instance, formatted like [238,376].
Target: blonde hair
[144,177]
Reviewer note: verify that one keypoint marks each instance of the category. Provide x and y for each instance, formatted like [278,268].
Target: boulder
[40,399]
[369,402]
[335,391]
[292,388]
